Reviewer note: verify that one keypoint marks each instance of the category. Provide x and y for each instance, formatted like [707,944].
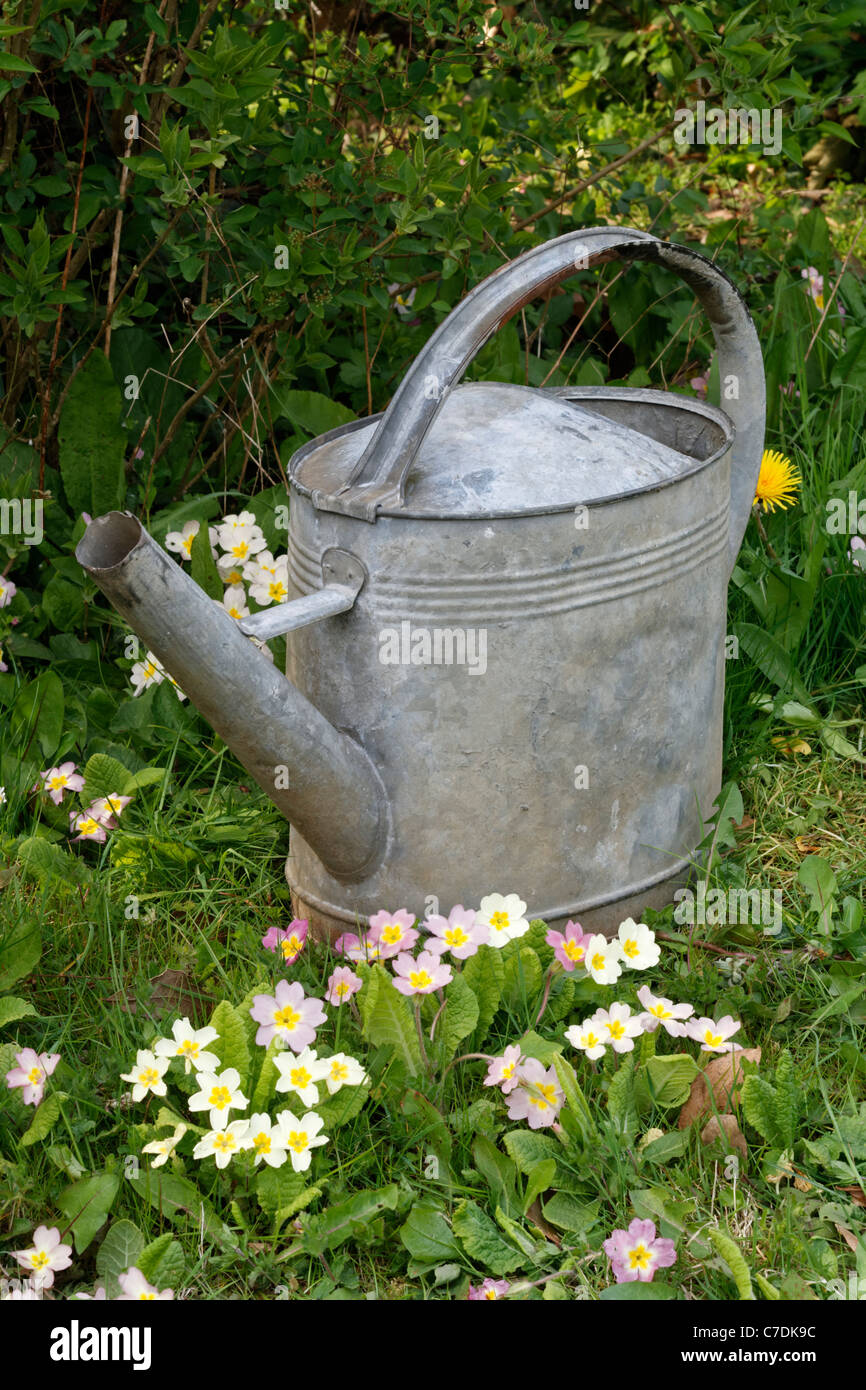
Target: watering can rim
[405,510]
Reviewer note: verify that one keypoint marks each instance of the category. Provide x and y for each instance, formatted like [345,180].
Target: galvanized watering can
[506,640]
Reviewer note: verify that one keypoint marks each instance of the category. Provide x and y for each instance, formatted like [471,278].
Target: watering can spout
[319,778]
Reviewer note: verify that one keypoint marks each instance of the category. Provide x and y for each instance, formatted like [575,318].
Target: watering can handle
[379,476]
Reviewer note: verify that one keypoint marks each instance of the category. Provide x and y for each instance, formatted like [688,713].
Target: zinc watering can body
[505,641]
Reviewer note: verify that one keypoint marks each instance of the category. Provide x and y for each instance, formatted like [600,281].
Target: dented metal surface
[527,687]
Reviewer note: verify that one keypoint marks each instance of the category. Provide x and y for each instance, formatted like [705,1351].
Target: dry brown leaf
[744,824]
[535,1215]
[801,1184]
[719,1125]
[848,1236]
[807,846]
[721,1079]
[857,1195]
[173,992]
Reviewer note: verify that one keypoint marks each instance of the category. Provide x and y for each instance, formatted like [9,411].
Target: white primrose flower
[343,1071]
[602,959]
[146,1076]
[164,1148]
[299,1073]
[587,1037]
[230,570]
[267,1141]
[504,917]
[619,1026]
[300,1136]
[180,542]
[224,1143]
[220,1093]
[234,602]
[639,949]
[187,1042]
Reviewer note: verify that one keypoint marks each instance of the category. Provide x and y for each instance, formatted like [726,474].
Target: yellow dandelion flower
[778,482]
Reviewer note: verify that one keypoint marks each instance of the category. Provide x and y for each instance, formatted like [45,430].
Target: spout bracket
[343,578]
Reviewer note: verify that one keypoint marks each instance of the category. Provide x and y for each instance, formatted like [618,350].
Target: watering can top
[488,449]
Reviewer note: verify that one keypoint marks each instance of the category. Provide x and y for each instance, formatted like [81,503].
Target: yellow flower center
[147,1297]
[188,1049]
[391,934]
[300,1077]
[287,1018]
[712,1039]
[631,948]
[240,550]
[490,1295]
[34,1076]
[639,1257]
[499,921]
[339,1071]
[149,1077]
[220,1097]
[599,961]
[148,670]
[659,1011]
[420,979]
[291,946]
[186,545]
[224,1140]
[40,1259]
[262,1143]
[278,591]
[456,936]
[591,1040]
[542,1094]
[616,1029]
[574,950]
[342,989]
[508,1071]
[235,613]
[57,783]
[298,1140]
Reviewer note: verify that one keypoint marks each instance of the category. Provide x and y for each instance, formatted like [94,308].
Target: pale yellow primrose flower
[603,959]
[146,1076]
[343,1071]
[188,1042]
[267,1141]
[639,949]
[164,1148]
[300,1136]
[300,1073]
[223,1144]
[505,917]
[220,1093]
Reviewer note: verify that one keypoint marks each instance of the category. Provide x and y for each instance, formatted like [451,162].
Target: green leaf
[758,1099]
[268,1077]
[12,1008]
[621,1106]
[542,1049]
[313,412]
[298,1203]
[637,1292]
[427,1235]
[481,1239]
[346,1220]
[526,1147]
[203,566]
[484,973]
[63,603]
[666,1147]
[174,1197]
[575,1099]
[103,776]
[119,1251]
[772,660]
[818,879]
[730,1253]
[37,715]
[498,1172]
[344,1106]
[20,949]
[669,1079]
[728,808]
[87,1204]
[522,980]
[13,62]
[569,1214]
[47,1114]
[276,1188]
[231,1046]
[388,1020]
[92,441]
[540,1177]
[163,1262]
[458,1018]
